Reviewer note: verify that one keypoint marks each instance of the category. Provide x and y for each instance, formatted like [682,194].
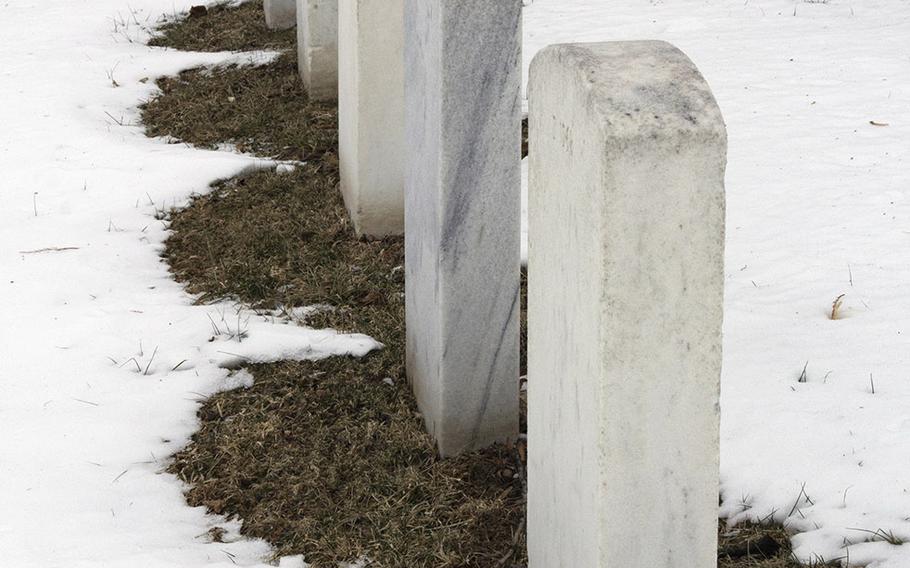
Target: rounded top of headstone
[639,87]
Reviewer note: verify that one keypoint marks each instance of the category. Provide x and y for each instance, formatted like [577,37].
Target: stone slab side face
[371,114]
[626,248]
[462,208]
[280,14]
[317,47]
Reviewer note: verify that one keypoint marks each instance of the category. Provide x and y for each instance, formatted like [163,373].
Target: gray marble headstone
[280,14]
[462,216]
[625,308]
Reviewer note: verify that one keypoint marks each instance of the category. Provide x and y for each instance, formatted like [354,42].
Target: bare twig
[48,249]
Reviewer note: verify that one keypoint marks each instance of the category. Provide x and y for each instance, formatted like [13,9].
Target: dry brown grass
[325,459]
[224,27]
[259,109]
[759,546]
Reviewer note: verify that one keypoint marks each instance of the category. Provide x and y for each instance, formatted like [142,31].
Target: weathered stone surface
[280,14]
[462,204]
[626,205]
[317,47]
[371,114]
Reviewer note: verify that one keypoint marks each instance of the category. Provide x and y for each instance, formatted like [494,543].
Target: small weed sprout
[110,75]
[160,214]
[129,27]
[223,328]
[745,502]
[802,498]
[144,371]
[119,121]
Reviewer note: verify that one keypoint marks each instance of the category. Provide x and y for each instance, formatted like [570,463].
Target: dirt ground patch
[327,459]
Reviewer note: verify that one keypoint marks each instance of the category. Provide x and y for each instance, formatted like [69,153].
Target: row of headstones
[625,271]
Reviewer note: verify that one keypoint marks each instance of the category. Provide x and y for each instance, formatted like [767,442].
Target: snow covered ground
[103,357]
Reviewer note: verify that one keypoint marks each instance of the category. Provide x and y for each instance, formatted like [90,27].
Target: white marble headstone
[462,217]
[626,255]
[371,114]
[317,47]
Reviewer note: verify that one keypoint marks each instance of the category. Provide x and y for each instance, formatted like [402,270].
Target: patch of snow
[239,379]
[103,357]
[292,562]
[258,339]
[248,59]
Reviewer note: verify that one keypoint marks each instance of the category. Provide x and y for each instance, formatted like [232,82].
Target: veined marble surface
[462,214]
